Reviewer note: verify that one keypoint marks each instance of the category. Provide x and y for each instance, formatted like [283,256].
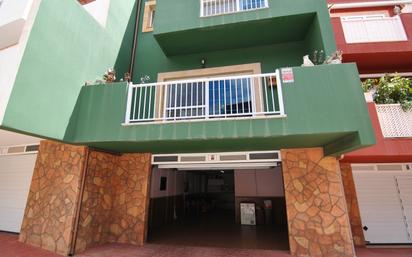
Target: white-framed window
[217,7]
[373,28]
[148,16]
[151,17]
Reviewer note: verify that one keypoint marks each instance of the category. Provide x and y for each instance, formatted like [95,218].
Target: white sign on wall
[287,75]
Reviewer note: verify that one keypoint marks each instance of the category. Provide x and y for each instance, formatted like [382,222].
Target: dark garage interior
[204,208]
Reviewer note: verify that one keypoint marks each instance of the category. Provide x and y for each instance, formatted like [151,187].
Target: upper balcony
[393,130]
[211,25]
[321,106]
[374,35]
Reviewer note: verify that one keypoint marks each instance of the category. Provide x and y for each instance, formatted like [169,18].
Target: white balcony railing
[233,97]
[373,28]
[217,7]
[394,121]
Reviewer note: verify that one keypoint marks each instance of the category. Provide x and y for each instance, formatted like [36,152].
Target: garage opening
[231,207]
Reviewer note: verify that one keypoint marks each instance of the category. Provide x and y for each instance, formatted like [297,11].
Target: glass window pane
[230,96]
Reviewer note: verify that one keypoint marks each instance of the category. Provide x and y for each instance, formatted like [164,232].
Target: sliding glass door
[212,98]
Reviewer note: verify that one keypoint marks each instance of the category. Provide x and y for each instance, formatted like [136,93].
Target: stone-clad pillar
[114,199]
[352,204]
[53,197]
[318,220]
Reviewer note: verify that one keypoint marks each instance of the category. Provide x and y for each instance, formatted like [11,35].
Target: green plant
[391,90]
[369,84]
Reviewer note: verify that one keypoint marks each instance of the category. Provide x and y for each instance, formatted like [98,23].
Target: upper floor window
[216,7]
[373,28]
[148,17]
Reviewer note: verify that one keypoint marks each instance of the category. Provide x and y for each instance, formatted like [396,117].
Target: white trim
[237,166]
[202,119]
[368,4]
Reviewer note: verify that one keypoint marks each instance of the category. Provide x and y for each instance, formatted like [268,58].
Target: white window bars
[228,97]
[394,121]
[373,28]
[217,7]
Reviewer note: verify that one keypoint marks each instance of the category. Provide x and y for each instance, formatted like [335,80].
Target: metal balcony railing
[217,7]
[232,97]
[394,121]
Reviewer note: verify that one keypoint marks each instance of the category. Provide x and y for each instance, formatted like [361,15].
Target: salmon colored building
[377,35]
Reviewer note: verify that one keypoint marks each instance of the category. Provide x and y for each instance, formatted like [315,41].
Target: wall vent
[389,167]
[19,149]
[382,167]
[217,158]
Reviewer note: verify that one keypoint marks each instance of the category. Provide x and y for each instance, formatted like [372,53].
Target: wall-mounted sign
[287,75]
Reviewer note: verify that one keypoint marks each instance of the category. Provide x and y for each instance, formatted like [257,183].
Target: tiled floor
[10,247]
[218,229]
[155,250]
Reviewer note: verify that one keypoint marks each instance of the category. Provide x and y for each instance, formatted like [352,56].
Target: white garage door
[385,202]
[15,176]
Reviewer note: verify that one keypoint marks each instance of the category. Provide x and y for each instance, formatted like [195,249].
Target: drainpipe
[135,37]
[79,206]
[369,4]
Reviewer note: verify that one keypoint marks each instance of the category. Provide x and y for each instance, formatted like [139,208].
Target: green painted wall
[151,59]
[325,105]
[283,21]
[66,47]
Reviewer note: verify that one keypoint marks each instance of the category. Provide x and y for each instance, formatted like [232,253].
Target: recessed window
[149,15]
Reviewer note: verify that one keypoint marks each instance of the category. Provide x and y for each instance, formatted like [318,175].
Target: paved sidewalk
[10,247]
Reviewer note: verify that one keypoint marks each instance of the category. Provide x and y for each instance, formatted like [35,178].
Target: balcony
[213,25]
[322,106]
[394,121]
[233,97]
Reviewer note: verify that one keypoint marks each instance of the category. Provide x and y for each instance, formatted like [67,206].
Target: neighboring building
[17,159]
[17,152]
[377,35]
[225,116]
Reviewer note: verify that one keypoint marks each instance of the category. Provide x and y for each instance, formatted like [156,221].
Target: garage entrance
[385,201]
[16,170]
[219,204]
